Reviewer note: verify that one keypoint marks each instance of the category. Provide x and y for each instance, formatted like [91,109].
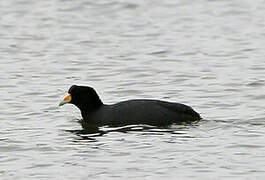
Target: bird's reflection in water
[90,132]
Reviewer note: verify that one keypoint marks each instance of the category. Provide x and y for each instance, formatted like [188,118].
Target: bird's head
[84,97]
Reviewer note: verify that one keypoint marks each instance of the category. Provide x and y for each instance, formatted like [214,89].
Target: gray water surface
[207,54]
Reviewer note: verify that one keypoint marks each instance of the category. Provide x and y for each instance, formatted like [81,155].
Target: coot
[139,111]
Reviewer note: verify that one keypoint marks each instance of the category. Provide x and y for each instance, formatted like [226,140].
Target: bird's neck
[88,108]
[88,111]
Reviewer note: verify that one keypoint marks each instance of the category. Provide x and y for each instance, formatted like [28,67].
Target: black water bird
[139,111]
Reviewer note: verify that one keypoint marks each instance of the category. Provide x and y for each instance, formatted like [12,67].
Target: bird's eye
[72,90]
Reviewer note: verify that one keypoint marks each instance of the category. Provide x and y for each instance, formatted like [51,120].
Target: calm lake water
[207,54]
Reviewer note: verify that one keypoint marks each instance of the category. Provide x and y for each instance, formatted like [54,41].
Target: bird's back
[142,111]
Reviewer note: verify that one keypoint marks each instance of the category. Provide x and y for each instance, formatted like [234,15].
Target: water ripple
[208,54]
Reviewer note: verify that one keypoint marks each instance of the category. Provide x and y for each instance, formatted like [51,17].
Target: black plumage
[140,111]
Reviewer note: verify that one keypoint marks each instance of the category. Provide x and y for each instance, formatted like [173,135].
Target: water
[207,54]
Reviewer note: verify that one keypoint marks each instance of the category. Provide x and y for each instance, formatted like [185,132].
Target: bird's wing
[178,107]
